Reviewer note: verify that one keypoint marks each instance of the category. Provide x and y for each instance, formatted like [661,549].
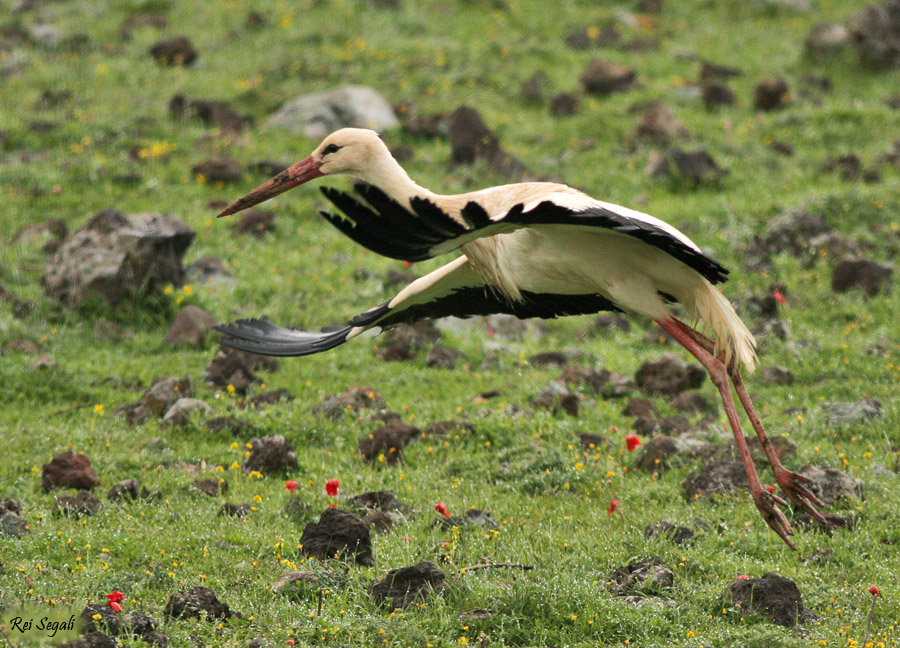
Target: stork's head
[352,151]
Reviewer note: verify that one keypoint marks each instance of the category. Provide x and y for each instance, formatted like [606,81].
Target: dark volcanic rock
[197,600]
[271,397]
[441,357]
[592,441]
[775,375]
[211,487]
[388,441]
[659,124]
[92,639]
[773,596]
[869,276]
[108,622]
[771,94]
[668,531]
[403,587]
[191,326]
[471,139]
[717,478]
[384,501]
[174,51]
[234,510]
[11,522]
[831,485]
[235,426]
[236,368]
[875,33]
[270,455]
[564,104]
[257,222]
[717,94]
[791,233]
[164,392]
[648,576]
[69,470]
[131,490]
[210,112]
[354,400]
[557,396]
[338,533]
[603,77]
[85,503]
[404,341]
[710,71]
[832,522]
[825,41]
[557,359]
[183,409]
[848,166]
[669,375]
[640,407]
[657,453]
[118,257]
[220,169]
[206,270]
[603,382]
[693,167]
[693,402]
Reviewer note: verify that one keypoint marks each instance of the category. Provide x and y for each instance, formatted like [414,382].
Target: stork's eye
[331,148]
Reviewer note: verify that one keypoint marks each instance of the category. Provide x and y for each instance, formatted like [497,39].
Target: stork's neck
[392,179]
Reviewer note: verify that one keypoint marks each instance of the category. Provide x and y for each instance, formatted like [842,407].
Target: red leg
[766,502]
[790,482]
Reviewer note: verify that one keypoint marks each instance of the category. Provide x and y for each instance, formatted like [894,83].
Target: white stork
[535,249]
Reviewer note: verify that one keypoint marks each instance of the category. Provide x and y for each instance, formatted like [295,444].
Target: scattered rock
[218,169]
[826,41]
[108,620]
[271,397]
[716,94]
[11,521]
[773,596]
[557,396]
[298,582]
[510,327]
[692,402]
[212,113]
[556,359]
[164,392]
[533,88]
[831,485]
[603,77]
[181,411]
[197,600]
[105,330]
[230,424]
[211,487]
[644,576]
[174,51]
[875,33]
[141,20]
[131,490]
[118,257]
[851,413]
[208,270]
[46,36]
[443,428]
[476,614]
[696,167]
[441,357]
[234,510]
[471,140]
[869,276]
[84,503]
[667,531]
[848,166]
[771,94]
[69,470]
[604,382]
[669,375]
[402,587]
[354,400]
[384,501]
[657,453]
[191,326]
[404,341]
[257,222]
[564,104]
[649,6]
[338,533]
[236,368]
[92,639]
[832,522]
[659,124]
[388,441]
[782,147]
[640,407]
[710,72]
[270,455]
[716,478]
[320,113]
[776,375]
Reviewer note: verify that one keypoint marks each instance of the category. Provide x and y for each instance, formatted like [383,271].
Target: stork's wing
[454,289]
[388,228]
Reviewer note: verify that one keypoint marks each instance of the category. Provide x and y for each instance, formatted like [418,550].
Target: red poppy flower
[743,577]
[291,642]
[114,599]
[331,487]
[779,297]
[332,505]
[874,591]
[291,486]
[442,509]
[770,489]
[632,442]
[613,505]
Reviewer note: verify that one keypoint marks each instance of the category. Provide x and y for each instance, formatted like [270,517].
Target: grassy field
[549,495]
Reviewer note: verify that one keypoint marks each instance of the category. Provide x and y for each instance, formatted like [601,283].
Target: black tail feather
[265,338]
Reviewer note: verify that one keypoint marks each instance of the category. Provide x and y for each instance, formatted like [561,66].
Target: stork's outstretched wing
[387,228]
[454,289]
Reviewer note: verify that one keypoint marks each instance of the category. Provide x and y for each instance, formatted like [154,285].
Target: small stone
[387,443]
[692,402]
[234,510]
[868,276]
[603,77]
[354,400]
[775,375]
[557,396]
[644,576]
[716,94]
[191,326]
[174,51]
[181,411]
[320,113]
[220,169]
[271,397]
[338,533]
[400,588]
[441,357]
[659,124]
[211,487]
[772,595]
[710,71]
[771,94]
[230,424]
[564,104]
[208,270]
[639,407]
[533,88]
[656,454]
[271,455]
[831,485]
[669,374]
[256,222]
[131,490]
[694,167]
[667,531]
[875,33]
[592,441]
[717,478]
[69,470]
[84,503]
[164,392]
[826,40]
[198,603]
[13,524]
[384,501]
[852,413]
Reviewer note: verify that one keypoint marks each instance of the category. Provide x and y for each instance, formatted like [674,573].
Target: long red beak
[288,179]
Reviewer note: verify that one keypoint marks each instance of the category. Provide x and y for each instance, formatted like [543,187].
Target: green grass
[550,497]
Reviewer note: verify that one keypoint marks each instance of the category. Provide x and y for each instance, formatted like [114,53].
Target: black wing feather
[265,338]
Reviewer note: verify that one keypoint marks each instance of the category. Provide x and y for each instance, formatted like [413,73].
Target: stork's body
[533,250]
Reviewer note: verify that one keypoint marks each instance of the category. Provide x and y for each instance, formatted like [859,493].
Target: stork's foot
[792,485]
[767,503]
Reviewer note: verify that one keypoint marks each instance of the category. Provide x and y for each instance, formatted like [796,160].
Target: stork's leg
[765,501]
[791,482]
